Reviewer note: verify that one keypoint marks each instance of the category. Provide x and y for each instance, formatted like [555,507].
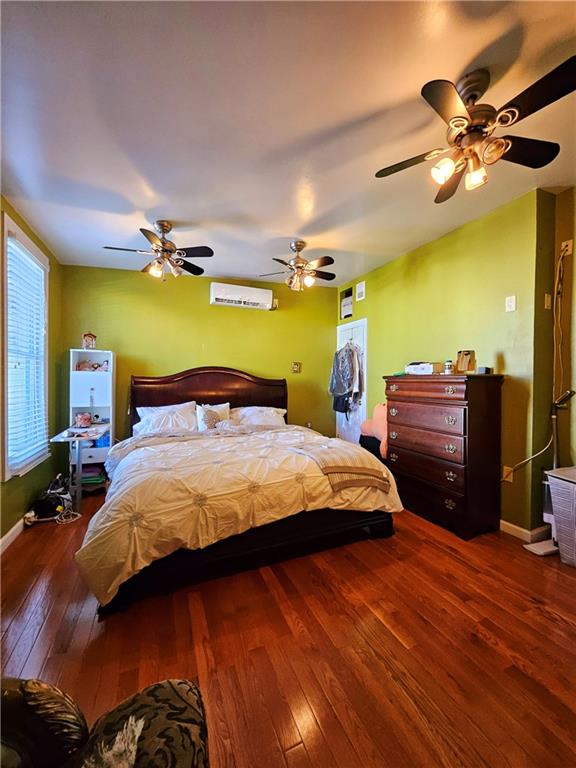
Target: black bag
[51,504]
[341,404]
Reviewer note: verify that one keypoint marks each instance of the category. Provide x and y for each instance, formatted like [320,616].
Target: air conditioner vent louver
[241,296]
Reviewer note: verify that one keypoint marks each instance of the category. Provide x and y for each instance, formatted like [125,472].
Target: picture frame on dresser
[444,448]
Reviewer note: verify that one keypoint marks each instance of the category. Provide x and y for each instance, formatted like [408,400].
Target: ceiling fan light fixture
[294,282]
[175,269]
[156,268]
[491,150]
[309,280]
[476,175]
[443,170]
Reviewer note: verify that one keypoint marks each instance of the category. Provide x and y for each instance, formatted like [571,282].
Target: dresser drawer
[439,417]
[445,508]
[444,473]
[426,388]
[91,455]
[451,447]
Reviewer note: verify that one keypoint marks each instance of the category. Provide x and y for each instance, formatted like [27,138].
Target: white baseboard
[536,534]
[10,535]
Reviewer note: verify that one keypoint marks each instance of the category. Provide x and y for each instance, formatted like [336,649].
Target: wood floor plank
[317,748]
[420,651]
[297,757]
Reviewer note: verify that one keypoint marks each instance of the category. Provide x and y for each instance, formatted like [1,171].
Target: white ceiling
[252,123]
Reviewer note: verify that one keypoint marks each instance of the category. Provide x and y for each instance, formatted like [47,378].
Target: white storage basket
[563,492]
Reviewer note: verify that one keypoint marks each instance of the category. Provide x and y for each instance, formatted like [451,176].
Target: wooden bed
[283,538]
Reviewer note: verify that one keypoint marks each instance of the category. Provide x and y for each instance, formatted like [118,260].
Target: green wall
[565,230]
[157,328]
[17,493]
[449,295]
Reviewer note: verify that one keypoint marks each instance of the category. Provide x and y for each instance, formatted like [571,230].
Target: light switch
[510,304]
[296,367]
[547,301]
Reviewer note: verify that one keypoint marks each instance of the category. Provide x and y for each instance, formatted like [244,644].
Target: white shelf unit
[92,391]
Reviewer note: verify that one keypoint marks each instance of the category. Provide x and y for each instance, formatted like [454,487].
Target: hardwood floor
[420,650]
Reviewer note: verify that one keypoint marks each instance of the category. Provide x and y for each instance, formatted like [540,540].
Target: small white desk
[75,435]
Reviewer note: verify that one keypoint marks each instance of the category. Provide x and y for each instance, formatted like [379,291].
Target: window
[26,414]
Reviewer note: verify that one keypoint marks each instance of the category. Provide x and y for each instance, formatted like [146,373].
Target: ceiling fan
[302,272]
[471,125]
[166,255]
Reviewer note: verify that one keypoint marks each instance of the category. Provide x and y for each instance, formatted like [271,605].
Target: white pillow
[258,415]
[167,419]
[209,415]
[153,410]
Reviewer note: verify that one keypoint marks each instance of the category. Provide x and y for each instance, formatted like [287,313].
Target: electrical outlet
[567,247]
[507,474]
[510,304]
[296,367]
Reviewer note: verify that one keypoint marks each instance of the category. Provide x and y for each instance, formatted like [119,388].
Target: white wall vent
[241,296]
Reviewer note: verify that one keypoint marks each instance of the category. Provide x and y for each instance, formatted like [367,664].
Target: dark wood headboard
[211,385]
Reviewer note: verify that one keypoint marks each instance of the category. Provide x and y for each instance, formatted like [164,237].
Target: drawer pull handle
[393,387]
[449,504]
[450,420]
[450,448]
[451,476]
[393,435]
[393,457]
[393,412]
[450,390]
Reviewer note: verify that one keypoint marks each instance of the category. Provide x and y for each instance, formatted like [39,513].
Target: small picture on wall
[466,361]
[88,341]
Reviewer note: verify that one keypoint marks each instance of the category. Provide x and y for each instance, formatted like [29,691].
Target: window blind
[26,314]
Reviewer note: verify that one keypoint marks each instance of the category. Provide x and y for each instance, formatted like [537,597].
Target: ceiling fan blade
[408,163]
[197,252]
[280,261]
[449,188]
[187,267]
[323,261]
[128,250]
[269,274]
[152,237]
[534,153]
[553,86]
[445,100]
[323,275]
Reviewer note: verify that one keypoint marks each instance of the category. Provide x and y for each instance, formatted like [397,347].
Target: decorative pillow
[209,415]
[170,419]
[165,722]
[122,752]
[258,415]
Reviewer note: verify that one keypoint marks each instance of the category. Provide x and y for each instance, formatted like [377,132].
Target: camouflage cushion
[163,725]
[173,731]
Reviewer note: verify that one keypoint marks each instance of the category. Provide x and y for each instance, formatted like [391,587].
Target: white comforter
[191,490]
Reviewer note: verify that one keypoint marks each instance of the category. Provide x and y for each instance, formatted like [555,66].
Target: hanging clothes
[347,379]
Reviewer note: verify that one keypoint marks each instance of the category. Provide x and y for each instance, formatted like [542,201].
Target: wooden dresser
[444,448]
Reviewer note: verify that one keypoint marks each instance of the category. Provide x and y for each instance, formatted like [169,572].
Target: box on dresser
[444,448]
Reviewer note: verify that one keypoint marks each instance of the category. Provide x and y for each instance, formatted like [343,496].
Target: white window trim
[11,229]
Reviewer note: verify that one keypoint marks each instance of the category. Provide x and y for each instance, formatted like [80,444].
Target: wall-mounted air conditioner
[241,296]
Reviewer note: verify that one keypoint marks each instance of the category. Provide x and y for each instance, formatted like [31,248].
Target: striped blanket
[347,465]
